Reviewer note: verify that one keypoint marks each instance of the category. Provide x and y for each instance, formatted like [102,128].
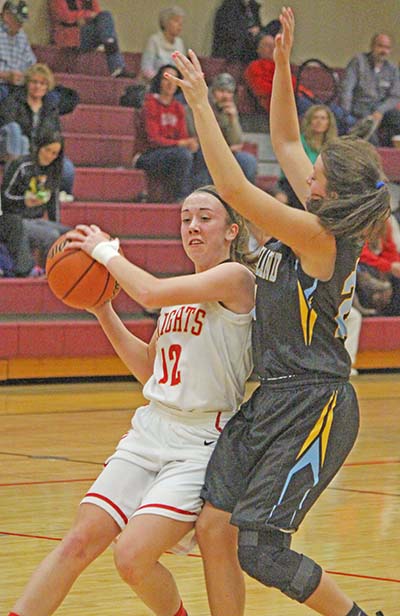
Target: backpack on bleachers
[321,79]
[133,96]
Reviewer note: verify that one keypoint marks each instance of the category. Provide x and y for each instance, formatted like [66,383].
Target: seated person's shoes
[37,272]
[123,73]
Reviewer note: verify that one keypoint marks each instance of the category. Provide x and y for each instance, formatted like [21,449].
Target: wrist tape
[104,251]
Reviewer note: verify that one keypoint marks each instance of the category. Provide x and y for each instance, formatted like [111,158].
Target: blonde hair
[42,70]
[358,200]
[239,249]
[307,131]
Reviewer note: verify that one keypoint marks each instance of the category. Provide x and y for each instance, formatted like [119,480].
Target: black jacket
[231,38]
[15,108]
[24,174]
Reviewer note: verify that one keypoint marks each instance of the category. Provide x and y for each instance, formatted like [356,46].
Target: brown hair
[42,70]
[358,200]
[239,250]
[307,132]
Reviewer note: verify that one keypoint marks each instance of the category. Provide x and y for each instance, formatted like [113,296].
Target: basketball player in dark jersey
[284,446]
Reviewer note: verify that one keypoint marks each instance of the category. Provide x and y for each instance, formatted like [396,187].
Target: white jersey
[203,359]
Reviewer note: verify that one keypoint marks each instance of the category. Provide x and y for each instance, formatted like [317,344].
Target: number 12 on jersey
[170,360]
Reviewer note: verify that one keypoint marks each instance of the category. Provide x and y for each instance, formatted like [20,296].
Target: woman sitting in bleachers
[27,110]
[168,151]
[318,126]
[30,190]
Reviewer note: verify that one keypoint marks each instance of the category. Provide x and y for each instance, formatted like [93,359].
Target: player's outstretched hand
[284,40]
[192,83]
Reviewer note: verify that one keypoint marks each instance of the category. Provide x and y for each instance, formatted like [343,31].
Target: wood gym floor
[54,439]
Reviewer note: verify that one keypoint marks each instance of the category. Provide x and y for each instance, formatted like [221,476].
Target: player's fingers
[95,228]
[74,235]
[173,78]
[85,229]
[195,61]
[183,64]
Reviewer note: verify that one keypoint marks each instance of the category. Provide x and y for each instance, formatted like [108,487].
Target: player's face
[205,230]
[317,180]
[48,153]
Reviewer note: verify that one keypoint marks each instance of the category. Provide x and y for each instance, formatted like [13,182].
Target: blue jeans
[13,142]
[174,164]
[101,31]
[247,162]
[41,234]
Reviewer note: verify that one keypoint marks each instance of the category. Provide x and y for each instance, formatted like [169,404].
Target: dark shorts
[280,451]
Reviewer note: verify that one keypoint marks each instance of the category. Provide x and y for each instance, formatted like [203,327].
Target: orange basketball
[77,279]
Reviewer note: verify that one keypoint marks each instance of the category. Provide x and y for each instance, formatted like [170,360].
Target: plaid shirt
[15,51]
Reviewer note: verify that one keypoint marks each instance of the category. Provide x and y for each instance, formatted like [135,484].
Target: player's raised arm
[284,124]
[299,230]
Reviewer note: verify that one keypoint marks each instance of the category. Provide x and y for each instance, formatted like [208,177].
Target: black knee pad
[266,556]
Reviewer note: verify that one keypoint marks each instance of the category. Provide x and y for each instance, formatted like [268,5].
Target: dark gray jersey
[300,327]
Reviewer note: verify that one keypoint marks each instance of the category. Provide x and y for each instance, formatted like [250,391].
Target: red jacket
[382,257]
[164,125]
[64,15]
[259,75]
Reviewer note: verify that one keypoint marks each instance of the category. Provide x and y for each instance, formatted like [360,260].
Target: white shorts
[158,468]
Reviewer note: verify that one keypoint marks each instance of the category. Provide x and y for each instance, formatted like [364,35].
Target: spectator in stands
[82,24]
[169,150]
[12,237]
[161,45]
[371,92]
[30,190]
[237,25]
[318,126]
[378,275]
[24,112]
[222,92]
[16,54]
[260,73]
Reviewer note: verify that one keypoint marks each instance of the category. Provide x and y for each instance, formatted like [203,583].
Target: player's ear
[232,231]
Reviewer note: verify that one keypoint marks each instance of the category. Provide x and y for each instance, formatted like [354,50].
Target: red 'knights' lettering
[186,319]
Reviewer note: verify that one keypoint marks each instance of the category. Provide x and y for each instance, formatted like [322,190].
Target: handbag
[133,96]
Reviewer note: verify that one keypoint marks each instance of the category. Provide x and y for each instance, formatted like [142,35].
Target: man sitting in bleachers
[82,24]
[16,54]
[222,99]
[371,92]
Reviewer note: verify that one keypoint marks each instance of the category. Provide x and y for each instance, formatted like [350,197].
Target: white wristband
[104,251]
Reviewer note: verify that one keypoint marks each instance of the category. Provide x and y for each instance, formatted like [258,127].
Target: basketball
[76,279]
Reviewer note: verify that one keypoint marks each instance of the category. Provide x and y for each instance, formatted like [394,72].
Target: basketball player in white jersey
[194,372]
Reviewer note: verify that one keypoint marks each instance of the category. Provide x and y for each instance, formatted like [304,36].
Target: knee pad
[266,556]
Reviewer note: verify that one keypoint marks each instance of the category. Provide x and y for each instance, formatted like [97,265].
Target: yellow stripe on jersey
[308,316]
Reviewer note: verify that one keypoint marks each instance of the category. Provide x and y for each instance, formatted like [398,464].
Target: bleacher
[41,337]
